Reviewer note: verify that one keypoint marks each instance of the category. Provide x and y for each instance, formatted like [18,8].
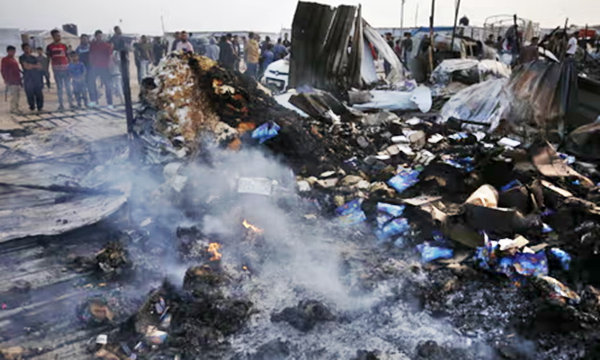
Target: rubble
[472,213]
[305,315]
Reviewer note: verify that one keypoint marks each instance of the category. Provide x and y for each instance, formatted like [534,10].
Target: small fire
[213,248]
[247,225]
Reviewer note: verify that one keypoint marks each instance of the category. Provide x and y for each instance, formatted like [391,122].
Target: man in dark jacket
[226,53]
[32,78]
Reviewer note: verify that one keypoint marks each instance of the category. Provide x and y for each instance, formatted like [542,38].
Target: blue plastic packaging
[405,178]
[394,210]
[266,131]
[430,253]
[351,213]
[395,227]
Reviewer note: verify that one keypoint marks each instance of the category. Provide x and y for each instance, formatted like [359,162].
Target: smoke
[294,259]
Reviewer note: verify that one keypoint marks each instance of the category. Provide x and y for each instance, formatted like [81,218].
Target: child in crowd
[77,71]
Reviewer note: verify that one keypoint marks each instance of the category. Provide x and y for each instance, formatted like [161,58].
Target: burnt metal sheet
[309,29]
[65,153]
[320,47]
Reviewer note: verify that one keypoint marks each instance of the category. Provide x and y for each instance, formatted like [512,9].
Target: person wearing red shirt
[9,67]
[57,53]
[100,57]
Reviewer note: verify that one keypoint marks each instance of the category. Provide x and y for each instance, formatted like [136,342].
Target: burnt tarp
[540,93]
[373,37]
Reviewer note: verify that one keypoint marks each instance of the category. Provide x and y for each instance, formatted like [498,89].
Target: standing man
[32,78]
[286,42]
[407,46]
[117,41]
[268,57]
[226,54]
[529,53]
[57,53]
[177,41]
[212,50]
[45,65]
[279,50]
[157,50]
[100,54]
[252,56]
[390,41]
[237,50]
[145,50]
[264,44]
[398,50]
[572,45]
[184,44]
[9,67]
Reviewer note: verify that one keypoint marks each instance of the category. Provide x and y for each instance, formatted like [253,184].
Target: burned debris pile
[473,191]
[193,103]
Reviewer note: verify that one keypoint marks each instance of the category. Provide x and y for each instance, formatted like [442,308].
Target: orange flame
[247,225]
[213,248]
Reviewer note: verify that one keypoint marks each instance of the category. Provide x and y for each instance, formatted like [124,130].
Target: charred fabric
[487,224]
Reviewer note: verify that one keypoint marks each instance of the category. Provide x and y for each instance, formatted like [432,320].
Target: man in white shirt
[572,45]
[184,44]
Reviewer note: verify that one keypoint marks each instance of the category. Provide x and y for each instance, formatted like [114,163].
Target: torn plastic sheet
[266,131]
[469,71]
[419,99]
[351,213]
[484,103]
[405,178]
[374,37]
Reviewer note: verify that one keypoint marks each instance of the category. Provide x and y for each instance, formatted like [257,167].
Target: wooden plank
[46,124]
[8,123]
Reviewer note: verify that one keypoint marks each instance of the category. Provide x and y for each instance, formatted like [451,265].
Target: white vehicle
[276,75]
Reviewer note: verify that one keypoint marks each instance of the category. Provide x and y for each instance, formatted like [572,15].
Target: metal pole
[585,43]
[431,36]
[564,41]
[516,34]
[402,18]
[416,15]
[454,29]
[127,92]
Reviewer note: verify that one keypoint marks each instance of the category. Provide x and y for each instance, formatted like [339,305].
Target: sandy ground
[51,100]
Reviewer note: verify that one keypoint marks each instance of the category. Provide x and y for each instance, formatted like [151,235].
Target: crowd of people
[80,73]
[246,54]
[75,72]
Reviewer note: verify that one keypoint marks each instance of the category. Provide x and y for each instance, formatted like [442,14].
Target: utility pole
[431,36]
[585,44]
[402,18]
[128,103]
[454,29]
[417,15]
